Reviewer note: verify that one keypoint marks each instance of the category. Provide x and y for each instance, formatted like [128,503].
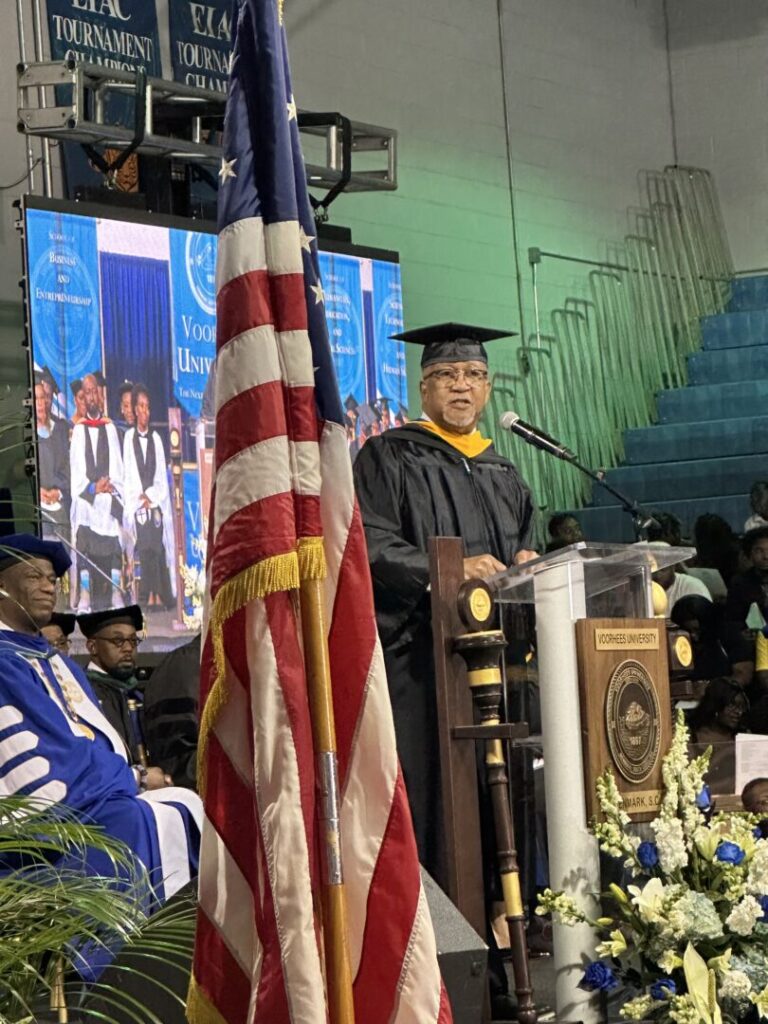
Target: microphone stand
[642,520]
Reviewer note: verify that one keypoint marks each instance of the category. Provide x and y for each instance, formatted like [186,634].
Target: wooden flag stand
[468,678]
[334,907]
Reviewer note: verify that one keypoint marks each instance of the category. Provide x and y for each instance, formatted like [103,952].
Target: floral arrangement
[688,941]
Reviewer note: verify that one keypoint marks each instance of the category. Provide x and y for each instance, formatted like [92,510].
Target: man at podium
[435,477]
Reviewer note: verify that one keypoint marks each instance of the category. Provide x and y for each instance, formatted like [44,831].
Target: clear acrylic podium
[581,581]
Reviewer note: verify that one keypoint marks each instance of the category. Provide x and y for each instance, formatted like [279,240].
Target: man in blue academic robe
[57,746]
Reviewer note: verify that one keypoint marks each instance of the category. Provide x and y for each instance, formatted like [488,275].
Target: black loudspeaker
[160,983]
[461,953]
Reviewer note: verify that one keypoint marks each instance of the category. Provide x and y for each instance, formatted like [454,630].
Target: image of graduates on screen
[123,329]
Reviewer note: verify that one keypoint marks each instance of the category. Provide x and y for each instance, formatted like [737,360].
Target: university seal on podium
[632,719]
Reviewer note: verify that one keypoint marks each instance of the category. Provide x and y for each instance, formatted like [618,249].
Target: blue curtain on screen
[136,321]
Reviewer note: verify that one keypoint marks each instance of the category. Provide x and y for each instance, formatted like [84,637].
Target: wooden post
[335,937]
[458,764]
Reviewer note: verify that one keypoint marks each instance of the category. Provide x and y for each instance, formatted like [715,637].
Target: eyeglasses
[447,378]
[61,645]
[120,641]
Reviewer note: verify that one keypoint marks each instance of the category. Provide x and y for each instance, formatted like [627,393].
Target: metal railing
[595,369]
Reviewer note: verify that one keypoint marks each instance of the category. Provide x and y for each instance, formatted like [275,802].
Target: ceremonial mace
[481,650]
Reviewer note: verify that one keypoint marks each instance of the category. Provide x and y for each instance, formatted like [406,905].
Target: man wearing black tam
[434,477]
[112,640]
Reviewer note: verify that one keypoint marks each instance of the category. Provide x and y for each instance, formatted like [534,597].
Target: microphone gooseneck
[641,519]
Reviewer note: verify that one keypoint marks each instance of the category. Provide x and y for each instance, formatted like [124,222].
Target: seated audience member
[758,500]
[112,640]
[754,797]
[57,746]
[750,587]
[170,713]
[564,527]
[59,630]
[678,584]
[717,546]
[720,712]
[667,528]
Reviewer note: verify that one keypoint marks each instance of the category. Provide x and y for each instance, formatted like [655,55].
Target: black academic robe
[113,695]
[411,485]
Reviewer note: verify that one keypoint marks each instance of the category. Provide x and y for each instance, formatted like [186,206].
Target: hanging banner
[193,259]
[114,33]
[342,290]
[64,297]
[387,304]
[201,38]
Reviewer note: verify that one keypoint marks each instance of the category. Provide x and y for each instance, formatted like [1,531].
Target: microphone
[533,435]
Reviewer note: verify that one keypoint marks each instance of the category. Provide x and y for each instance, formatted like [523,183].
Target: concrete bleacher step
[711,439]
[735,330]
[749,293]
[713,402]
[728,365]
[612,525]
[699,478]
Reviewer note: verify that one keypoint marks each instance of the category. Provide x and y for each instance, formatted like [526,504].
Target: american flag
[283,508]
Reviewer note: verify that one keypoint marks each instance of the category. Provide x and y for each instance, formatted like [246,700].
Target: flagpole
[336,946]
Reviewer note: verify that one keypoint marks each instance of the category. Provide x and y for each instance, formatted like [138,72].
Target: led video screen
[122,321]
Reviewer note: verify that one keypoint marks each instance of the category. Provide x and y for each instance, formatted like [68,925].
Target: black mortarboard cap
[127,385]
[452,343]
[65,621]
[100,379]
[350,403]
[75,385]
[20,547]
[91,623]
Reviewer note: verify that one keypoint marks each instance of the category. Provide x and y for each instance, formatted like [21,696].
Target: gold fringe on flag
[200,1010]
[312,564]
[270,576]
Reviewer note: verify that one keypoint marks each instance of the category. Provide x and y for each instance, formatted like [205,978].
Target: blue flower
[763,901]
[729,853]
[648,855]
[664,988]
[757,832]
[704,799]
[598,978]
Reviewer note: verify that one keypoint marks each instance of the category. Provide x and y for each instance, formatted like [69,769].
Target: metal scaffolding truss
[74,101]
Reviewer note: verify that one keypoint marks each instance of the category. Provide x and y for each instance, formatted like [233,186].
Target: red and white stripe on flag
[284,508]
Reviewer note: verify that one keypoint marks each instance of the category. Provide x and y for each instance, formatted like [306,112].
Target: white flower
[671,844]
[614,946]
[669,961]
[683,1010]
[693,917]
[744,916]
[736,986]
[757,879]
[649,900]
[761,1001]
[638,1008]
[558,903]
